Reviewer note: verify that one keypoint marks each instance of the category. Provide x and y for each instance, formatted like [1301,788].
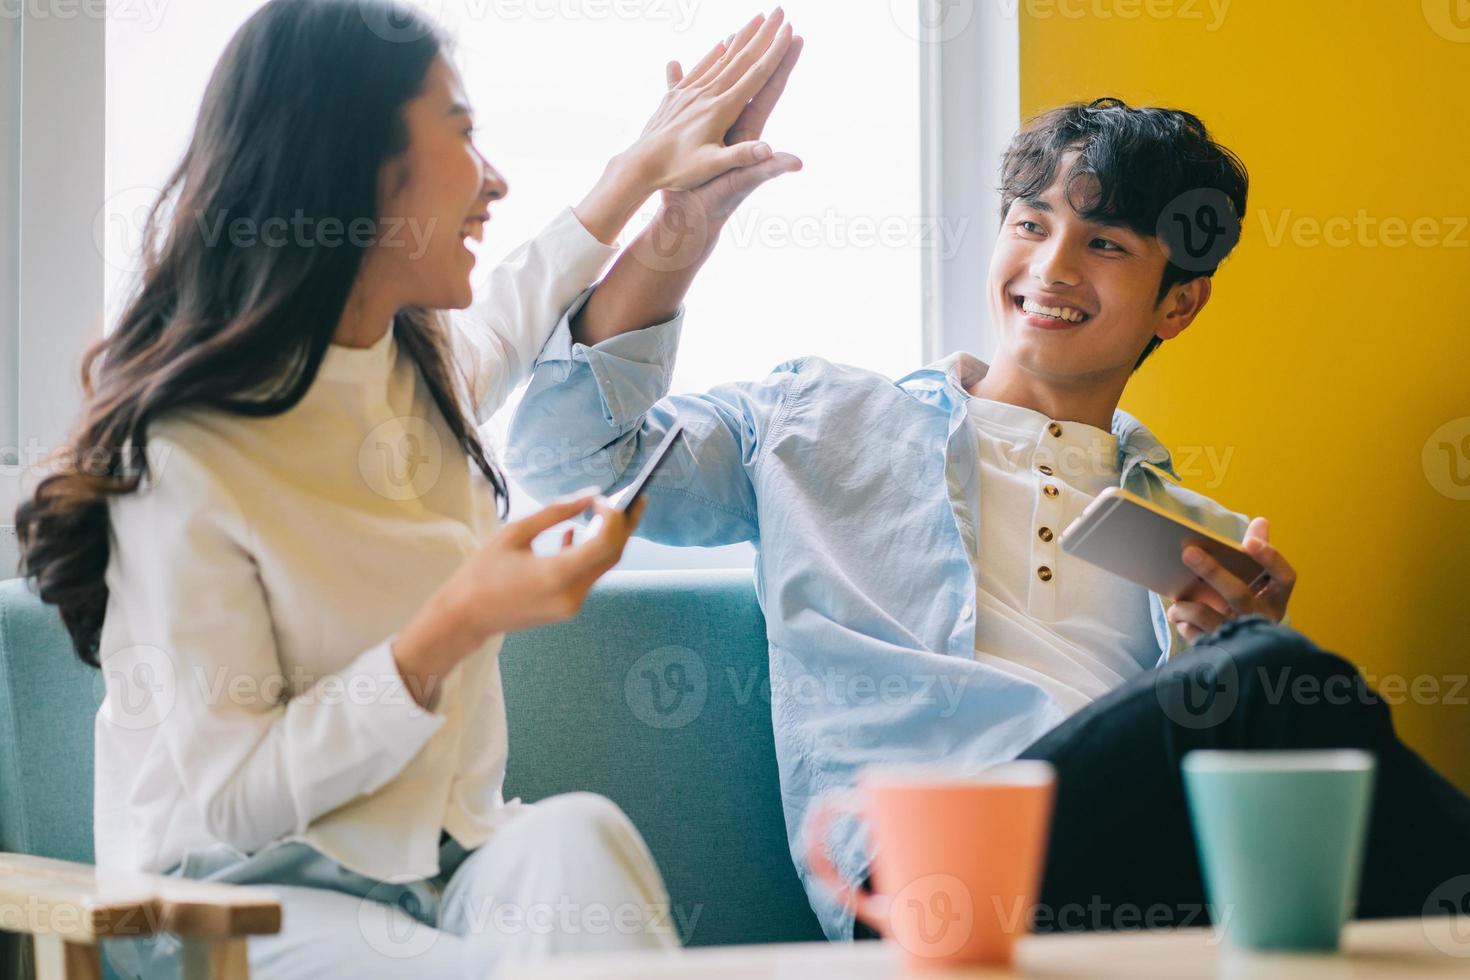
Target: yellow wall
[1324,366]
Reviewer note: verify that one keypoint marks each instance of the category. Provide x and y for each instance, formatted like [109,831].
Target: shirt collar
[359,363]
[949,379]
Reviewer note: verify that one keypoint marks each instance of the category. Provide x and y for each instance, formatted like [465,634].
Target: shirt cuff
[574,248]
[633,370]
[384,707]
[559,346]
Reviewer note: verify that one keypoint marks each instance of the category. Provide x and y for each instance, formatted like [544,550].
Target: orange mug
[957,861]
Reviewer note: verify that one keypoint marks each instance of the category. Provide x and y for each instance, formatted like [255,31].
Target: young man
[919,608]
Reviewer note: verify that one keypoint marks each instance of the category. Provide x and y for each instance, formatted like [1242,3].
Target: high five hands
[717,198]
[702,146]
[687,226]
[710,121]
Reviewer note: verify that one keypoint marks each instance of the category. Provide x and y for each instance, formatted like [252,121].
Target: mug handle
[866,907]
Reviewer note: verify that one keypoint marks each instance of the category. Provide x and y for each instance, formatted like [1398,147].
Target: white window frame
[970,100]
[52,180]
[10,95]
[52,172]
[10,98]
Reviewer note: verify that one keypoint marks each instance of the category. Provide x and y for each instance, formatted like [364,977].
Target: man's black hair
[1155,171]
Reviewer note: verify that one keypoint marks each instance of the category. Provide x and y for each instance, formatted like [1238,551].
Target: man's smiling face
[1076,300]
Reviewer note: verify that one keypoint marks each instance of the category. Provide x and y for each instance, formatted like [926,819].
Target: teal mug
[1280,837]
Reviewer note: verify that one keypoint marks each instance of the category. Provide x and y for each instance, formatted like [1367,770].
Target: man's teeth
[1058,312]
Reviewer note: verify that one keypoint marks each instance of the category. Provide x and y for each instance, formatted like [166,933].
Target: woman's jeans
[568,874]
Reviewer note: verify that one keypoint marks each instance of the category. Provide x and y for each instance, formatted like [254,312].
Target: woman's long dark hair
[299,116]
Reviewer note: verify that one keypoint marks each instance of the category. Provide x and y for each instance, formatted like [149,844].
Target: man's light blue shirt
[861,496]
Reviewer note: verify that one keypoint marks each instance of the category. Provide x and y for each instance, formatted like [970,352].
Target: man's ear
[1182,305]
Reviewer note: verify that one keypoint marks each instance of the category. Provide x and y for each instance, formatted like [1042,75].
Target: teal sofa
[656,696]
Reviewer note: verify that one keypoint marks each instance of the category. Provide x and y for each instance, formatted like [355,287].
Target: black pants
[1122,855]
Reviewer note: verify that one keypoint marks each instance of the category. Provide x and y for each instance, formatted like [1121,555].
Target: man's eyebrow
[1111,222]
[1108,221]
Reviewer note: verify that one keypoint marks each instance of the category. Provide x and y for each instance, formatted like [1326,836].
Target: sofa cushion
[658,696]
[48,698]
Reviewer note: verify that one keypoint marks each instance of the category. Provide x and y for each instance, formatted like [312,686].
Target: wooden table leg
[57,959]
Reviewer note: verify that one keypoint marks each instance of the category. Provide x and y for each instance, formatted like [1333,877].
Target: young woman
[278,532]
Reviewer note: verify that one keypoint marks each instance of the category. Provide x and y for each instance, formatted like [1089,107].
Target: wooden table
[1388,948]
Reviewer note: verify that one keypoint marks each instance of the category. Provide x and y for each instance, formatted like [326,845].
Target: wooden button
[1054,429]
[1046,470]
[1044,573]
[1045,534]
[1050,490]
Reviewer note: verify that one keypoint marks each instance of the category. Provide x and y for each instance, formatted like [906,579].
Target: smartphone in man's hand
[1144,543]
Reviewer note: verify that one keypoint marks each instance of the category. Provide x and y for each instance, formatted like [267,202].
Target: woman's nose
[493,183]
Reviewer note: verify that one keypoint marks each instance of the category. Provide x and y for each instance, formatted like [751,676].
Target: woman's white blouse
[257,580]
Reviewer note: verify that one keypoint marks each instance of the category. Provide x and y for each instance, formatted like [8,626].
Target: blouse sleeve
[499,337]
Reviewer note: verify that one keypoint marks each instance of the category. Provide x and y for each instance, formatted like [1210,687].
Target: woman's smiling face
[1073,298]
[435,197]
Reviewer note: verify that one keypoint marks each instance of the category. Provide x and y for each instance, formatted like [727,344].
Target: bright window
[824,262]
